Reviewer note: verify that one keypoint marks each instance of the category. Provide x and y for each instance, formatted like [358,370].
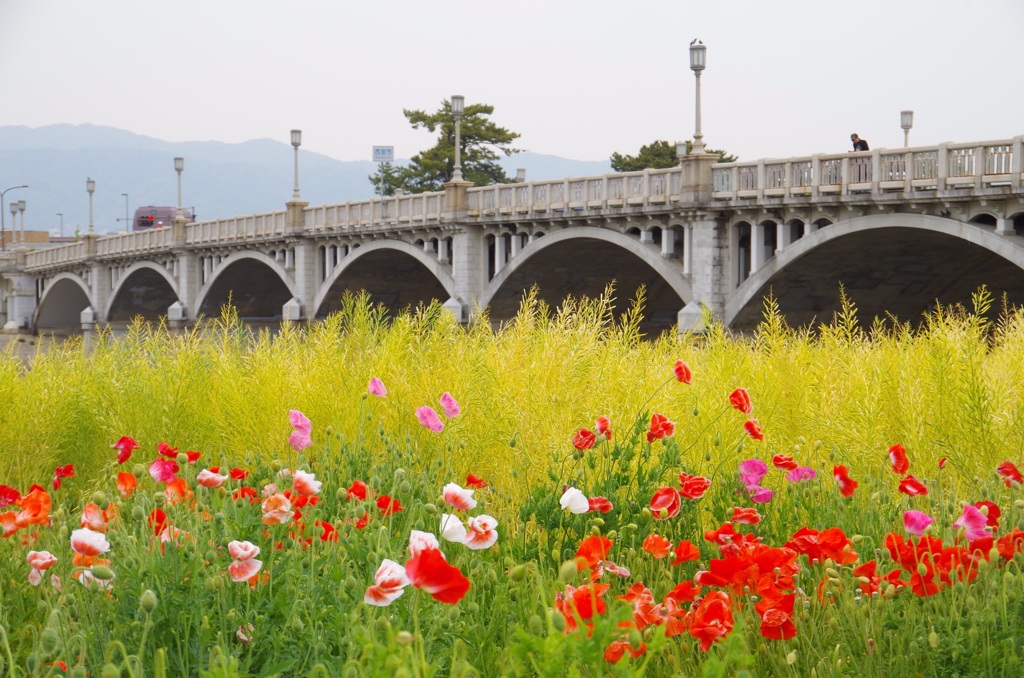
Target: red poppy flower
[1010,472]
[246,493]
[745,516]
[693,487]
[665,503]
[1010,543]
[584,439]
[942,462]
[867,577]
[62,472]
[357,490]
[618,648]
[177,491]
[660,428]
[723,535]
[165,450]
[583,602]
[784,462]
[599,504]
[125,446]
[157,521]
[991,512]
[387,505]
[8,496]
[740,399]
[8,523]
[712,620]
[364,521]
[193,456]
[329,531]
[819,546]
[912,487]
[35,508]
[753,429]
[898,457]
[429,571]
[238,474]
[603,426]
[847,485]
[685,552]
[777,617]
[163,470]
[593,550]
[657,546]
[476,482]
[682,372]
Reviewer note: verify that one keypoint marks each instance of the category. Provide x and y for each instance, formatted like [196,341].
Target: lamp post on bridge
[458,108]
[127,224]
[61,215]
[179,166]
[296,142]
[21,208]
[14,221]
[3,228]
[906,122]
[90,185]
[698,57]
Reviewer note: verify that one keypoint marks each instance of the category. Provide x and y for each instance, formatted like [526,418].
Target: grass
[951,388]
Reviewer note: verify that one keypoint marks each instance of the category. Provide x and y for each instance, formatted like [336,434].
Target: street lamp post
[698,57]
[14,221]
[3,228]
[127,224]
[458,108]
[906,122]
[179,166]
[90,185]
[21,208]
[296,142]
[61,215]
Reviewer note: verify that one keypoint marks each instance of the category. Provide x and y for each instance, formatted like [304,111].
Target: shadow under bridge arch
[887,263]
[146,289]
[254,283]
[395,274]
[61,305]
[582,262]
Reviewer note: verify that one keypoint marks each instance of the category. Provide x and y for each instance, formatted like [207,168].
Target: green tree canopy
[658,155]
[481,140]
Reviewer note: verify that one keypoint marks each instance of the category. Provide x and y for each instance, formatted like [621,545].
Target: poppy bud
[102,572]
[512,442]
[696,412]
[159,498]
[138,513]
[275,465]
[557,621]
[138,470]
[535,625]
[48,641]
[933,639]
[404,638]
[791,658]
[567,571]
[297,625]
[517,573]
[630,526]
[405,487]
[612,534]
[110,671]
[717,440]
[595,530]
[922,569]
[831,572]
[210,584]
[148,601]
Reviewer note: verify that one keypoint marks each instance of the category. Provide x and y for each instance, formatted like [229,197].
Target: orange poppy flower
[35,508]
[657,546]
[126,483]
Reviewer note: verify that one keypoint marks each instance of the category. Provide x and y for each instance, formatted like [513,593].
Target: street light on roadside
[127,224]
[90,186]
[14,221]
[3,228]
[698,59]
[296,142]
[61,215]
[179,166]
[21,208]
[906,122]
[458,107]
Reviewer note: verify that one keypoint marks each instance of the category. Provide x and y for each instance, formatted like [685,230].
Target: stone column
[469,252]
[756,246]
[499,252]
[668,243]
[708,255]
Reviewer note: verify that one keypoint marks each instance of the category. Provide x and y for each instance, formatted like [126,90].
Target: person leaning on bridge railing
[858,143]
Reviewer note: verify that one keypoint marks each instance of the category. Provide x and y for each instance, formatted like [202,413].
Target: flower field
[407,497]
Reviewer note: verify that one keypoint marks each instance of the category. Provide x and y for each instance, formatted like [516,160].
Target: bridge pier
[20,296]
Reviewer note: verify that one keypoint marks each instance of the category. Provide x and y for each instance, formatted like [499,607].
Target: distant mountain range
[219,180]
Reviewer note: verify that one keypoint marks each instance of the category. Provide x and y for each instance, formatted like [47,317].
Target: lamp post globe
[21,209]
[90,186]
[698,60]
[296,142]
[179,167]
[3,228]
[14,221]
[458,108]
[906,122]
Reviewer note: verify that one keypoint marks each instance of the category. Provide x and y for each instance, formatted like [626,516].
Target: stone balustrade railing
[976,165]
[945,166]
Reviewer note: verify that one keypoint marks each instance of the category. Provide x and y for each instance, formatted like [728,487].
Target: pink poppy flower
[243,550]
[306,484]
[389,584]
[682,371]
[276,509]
[244,570]
[428,417]
[753,429]
[124,448]
[740,399]
[208,478]
[458,497]
[300,437]
[800,474]
[163,470]
[974,523]
[88,542]
[452,528]
[376,388]
[760,495]
[574,501]
[603,426]
[481,533]
[912,487]
[419,540]
[916,522]
[752,471]
[450,405]
[40,561]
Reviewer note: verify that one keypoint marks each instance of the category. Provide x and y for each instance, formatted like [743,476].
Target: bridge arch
[398,275]
[581,261]
[898,263]
[62,302]
[153,289]
[242,278]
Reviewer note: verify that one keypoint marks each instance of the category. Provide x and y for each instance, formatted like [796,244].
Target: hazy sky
[576,79]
